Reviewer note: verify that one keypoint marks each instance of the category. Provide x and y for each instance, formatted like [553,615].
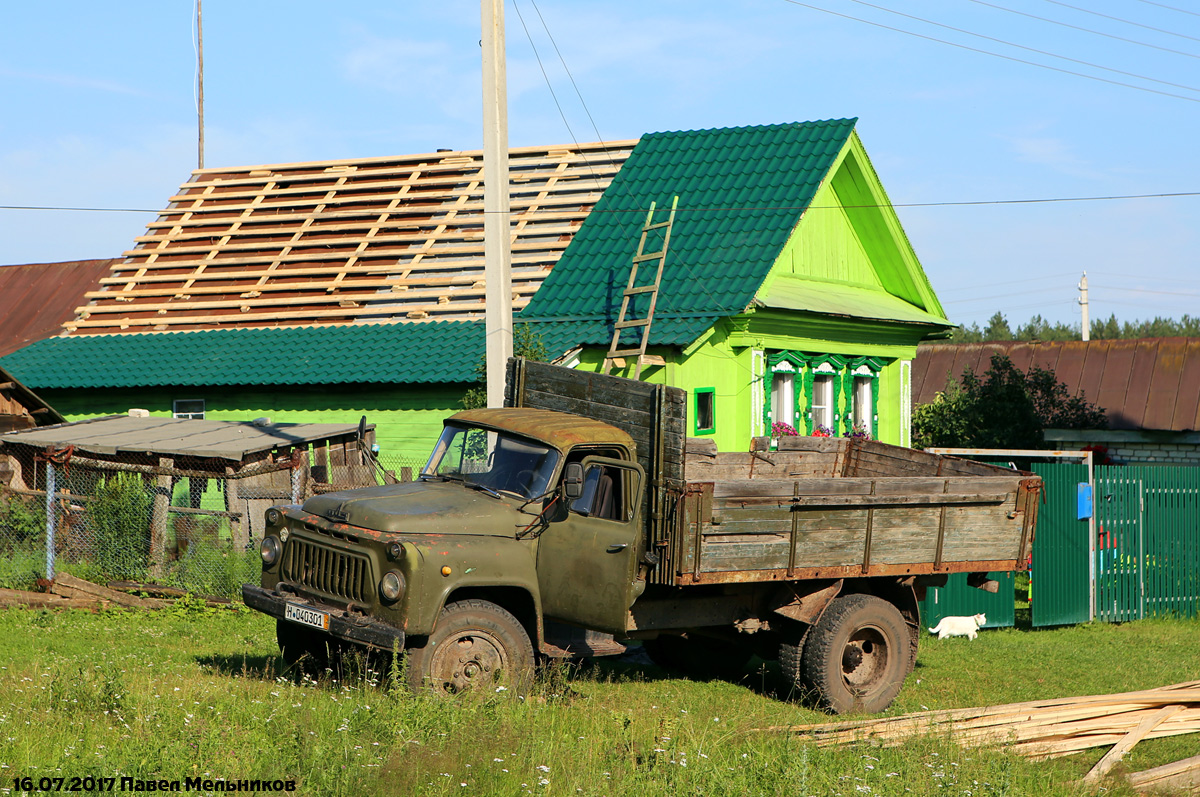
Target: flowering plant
[822,431]
[859,432]
[781,429]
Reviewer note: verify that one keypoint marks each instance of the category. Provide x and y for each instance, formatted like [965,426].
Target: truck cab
[520,516]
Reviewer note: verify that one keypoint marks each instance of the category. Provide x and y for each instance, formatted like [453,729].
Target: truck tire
[698,657]
[476,645]
[856,656]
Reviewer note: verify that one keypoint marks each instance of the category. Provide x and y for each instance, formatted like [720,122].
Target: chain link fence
[143,521]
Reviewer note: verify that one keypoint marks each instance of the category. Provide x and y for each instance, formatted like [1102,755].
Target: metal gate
[1147,542]
[1060,581]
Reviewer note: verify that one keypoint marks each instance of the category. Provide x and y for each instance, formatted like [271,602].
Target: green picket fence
[1145,561]
[1147,542]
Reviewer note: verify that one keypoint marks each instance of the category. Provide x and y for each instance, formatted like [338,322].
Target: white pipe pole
[497,250]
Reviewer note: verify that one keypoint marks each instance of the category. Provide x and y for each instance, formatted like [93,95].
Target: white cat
[959,626]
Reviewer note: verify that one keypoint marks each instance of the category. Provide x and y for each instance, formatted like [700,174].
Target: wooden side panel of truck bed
[770,529]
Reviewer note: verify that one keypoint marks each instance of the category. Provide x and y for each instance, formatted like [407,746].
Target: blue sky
[97,109]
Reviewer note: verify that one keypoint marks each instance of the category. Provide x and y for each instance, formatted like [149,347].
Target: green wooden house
[790,299]
[789,296]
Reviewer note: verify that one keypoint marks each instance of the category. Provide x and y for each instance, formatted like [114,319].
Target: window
[863,412]
[705,410]
[188,408]
[783,394]
[601,496]
[822,401]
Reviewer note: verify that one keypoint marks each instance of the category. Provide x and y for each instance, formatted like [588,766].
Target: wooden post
[158,518]
[238,527]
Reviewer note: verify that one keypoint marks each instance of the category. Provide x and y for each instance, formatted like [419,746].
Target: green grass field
[199,693]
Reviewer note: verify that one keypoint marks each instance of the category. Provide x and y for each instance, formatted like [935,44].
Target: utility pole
[1083,306]
[497,251]
[200,85]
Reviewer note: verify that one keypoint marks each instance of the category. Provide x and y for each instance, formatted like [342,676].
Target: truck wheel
[476,645]
[856,656]
[698,657]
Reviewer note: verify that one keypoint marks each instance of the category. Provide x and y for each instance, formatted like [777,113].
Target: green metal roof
[829,298]
[741,192]
[334,354]
[398,353]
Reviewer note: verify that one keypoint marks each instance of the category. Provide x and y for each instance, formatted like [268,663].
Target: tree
[526,343]
[997,328]
[1002,409]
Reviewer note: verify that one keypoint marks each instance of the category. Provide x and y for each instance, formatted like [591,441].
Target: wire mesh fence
[144,520]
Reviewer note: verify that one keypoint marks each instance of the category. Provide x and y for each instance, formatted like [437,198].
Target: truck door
[587,562]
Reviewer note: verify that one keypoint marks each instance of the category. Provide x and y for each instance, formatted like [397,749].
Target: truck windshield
[493,460]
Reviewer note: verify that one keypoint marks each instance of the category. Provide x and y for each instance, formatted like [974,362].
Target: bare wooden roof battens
[367,240]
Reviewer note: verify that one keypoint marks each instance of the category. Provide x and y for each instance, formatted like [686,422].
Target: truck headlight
[269,550]
[391,586]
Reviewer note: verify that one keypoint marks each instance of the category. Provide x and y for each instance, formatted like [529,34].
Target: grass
[195,692]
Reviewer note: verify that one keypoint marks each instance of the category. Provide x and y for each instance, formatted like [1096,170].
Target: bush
[21,520]
[119,520]
[1004,408]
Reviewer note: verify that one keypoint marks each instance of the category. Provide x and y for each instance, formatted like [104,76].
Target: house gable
[849,256]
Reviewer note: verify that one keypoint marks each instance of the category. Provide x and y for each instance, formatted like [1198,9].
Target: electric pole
[200,85]
[1085,326]
[497,251]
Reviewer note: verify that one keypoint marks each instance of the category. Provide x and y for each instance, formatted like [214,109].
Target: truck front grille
[326,569]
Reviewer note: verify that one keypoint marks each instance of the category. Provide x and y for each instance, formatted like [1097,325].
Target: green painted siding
[407,418]
[825,246]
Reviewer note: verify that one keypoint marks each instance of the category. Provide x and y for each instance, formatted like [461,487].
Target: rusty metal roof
[37,298]
[1148,383]
[560,429]
[229,440]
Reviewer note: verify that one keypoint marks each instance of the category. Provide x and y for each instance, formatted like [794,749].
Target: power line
[989,297]
[743,208]
[1023,47]
[1126,21]
[90,210]
[1170,8]
[1042,278]
[1087,30]
[995,55]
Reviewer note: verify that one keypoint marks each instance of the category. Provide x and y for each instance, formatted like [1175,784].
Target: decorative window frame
[697,429]
[842,368]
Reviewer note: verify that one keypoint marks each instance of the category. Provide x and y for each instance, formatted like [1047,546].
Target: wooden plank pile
[1044,729]
[70,592]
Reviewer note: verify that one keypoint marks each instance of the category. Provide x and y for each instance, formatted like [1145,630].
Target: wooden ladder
[632,290]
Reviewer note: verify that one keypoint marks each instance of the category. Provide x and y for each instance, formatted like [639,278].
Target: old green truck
[579,518]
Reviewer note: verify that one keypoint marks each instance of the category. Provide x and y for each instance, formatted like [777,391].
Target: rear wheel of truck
[477,645]
[856,656]
[698,657]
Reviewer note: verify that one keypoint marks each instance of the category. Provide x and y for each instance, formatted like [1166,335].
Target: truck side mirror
[573,481]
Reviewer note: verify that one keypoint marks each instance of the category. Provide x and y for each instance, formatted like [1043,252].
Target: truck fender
[519,601]
[806,602]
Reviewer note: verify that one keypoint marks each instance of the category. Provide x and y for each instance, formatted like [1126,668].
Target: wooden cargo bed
[835,507]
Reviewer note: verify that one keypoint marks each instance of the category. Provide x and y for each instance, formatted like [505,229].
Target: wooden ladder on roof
[615,352]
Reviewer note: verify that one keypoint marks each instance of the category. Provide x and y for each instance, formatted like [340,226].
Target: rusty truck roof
[560,429]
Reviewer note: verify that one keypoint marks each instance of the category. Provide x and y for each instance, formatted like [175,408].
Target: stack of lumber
[1047,728]
[70,592]
[69,586]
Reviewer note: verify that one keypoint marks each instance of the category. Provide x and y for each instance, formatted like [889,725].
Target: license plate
[306,616]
